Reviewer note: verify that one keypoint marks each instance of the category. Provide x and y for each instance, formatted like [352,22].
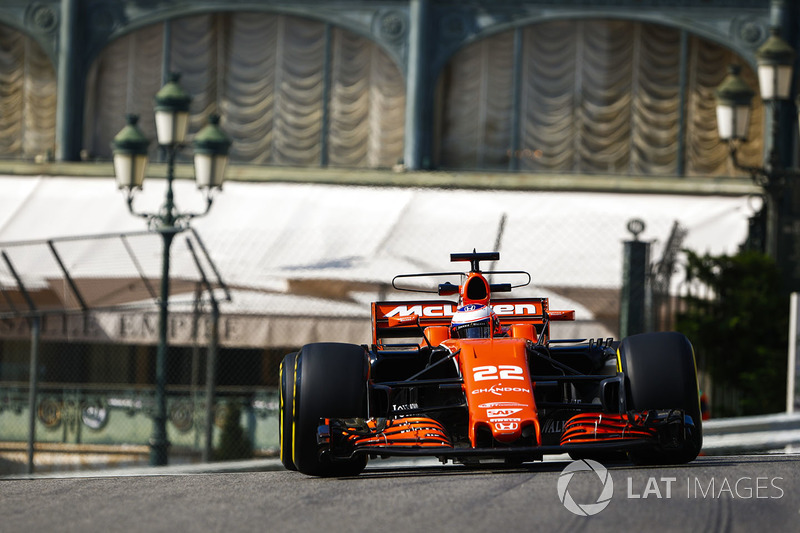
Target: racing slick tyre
[286,423]
[330,382]
[660,373]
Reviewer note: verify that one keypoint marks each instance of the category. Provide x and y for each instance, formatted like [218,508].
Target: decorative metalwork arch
[41,21]
[741,26]
[374,24]
[742,33]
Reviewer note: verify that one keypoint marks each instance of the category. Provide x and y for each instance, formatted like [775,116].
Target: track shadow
[392,471]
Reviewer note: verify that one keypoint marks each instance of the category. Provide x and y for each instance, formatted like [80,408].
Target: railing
[76,415]
[748,434]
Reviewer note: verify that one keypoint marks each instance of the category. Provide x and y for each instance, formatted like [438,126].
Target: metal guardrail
[747,434]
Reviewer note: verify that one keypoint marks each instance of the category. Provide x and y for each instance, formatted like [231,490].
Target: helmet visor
[472,330]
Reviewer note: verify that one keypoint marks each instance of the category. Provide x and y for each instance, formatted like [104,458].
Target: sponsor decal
[402,408]
[553,426]
[499,389]
[515,309]
[405,407]
[502,413]
[443,310]
[506,426]
[501,404]
[421,310]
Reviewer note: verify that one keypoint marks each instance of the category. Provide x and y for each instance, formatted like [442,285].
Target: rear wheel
[660,374]
[330,382]
[286,423]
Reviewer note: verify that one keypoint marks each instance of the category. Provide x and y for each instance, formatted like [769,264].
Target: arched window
[290,91]
[595,97]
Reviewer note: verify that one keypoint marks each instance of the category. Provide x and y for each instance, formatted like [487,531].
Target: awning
[307,259]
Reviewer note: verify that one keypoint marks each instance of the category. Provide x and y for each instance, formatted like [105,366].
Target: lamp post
[775,59]
[130,161]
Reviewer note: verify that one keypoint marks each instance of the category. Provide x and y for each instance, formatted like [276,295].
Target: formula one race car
[480,380]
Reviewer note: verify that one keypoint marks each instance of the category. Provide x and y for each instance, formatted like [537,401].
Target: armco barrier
[761,433]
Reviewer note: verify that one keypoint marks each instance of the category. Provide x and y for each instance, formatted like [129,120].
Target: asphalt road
[742,493]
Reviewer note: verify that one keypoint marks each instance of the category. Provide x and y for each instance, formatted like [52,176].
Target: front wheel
[330,382]
[660,374]
[286,424]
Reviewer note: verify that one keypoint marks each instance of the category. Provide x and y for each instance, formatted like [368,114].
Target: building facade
[615,96]
[536,87]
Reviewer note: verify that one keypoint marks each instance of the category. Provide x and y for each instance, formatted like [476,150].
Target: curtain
[596,97]
[477,114]
[122,81]
[27,98]
[706,155]
[264,74]
[368,101]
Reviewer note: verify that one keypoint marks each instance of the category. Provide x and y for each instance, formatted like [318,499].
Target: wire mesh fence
[79,315]
[79,322]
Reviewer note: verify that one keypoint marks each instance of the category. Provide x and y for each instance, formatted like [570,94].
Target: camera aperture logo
[603,499]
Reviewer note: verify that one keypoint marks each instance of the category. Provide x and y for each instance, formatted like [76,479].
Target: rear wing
[386,315]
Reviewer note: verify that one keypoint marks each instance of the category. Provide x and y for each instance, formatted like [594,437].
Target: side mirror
[500,287]
[447,289]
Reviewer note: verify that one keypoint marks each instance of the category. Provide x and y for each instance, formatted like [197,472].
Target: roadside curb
[254,465]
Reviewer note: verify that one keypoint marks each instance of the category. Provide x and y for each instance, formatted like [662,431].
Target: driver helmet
[474,321]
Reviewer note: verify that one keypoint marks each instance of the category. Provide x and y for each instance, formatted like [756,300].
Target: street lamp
[130,160]
[775,59]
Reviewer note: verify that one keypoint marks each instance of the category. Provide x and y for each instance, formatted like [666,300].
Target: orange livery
[478,377]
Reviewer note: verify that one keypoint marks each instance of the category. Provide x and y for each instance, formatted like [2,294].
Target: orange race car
[479,379]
